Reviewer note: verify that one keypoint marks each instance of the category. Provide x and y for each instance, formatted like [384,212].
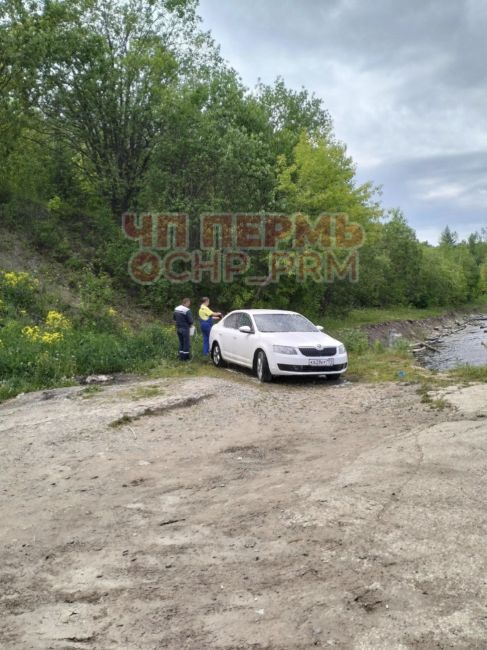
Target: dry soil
[223,514]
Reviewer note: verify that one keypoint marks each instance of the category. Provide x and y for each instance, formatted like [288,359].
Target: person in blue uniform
[206,316]
[184,322]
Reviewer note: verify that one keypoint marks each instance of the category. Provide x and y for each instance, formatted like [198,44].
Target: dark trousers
[184,343]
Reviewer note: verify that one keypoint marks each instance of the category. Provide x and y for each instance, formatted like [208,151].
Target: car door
[227,336]
[243,342]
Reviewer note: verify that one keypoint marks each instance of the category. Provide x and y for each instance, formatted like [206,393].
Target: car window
[283,323]
[231,321]
[245,320]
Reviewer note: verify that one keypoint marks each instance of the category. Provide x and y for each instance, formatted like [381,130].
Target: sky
[405,84]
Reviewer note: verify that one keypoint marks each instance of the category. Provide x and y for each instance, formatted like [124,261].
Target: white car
[275,342]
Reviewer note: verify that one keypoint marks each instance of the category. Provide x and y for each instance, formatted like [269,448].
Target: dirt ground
[213,513]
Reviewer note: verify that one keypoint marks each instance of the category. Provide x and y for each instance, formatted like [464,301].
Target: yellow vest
[205,312]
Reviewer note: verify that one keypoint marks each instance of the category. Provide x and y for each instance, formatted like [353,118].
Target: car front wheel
[262,367]
[216,356]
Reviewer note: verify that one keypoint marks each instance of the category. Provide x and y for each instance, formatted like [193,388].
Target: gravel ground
[223,514]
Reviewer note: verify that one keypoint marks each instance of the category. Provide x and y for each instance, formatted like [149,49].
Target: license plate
[322,362]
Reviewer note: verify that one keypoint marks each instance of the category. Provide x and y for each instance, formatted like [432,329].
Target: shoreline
[441,326]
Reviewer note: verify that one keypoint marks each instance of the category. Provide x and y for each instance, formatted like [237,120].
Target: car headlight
[283,349]
[341,349]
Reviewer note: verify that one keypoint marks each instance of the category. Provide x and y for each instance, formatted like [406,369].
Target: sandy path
[235,516]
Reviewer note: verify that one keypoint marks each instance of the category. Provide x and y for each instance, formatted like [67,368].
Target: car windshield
[283,323]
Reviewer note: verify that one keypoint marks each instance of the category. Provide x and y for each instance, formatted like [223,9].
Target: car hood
[300,339]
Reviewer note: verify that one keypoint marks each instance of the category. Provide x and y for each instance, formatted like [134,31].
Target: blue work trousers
[205,331]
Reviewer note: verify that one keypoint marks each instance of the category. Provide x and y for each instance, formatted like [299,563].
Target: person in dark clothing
[184,322]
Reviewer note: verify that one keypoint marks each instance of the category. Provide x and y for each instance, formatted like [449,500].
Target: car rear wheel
[216,356]
[262,367]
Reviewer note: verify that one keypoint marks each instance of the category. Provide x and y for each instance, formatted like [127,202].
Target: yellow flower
[56,321]
[13,279]
[111,311]
[51,337]
[10,279]
[32,333]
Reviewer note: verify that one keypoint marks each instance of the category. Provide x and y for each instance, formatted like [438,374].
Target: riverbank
[463,344]
[406,320]
[221,514]
[374,315]
[380,342]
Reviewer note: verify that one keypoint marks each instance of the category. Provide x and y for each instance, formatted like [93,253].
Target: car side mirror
[319,327]
[245,329]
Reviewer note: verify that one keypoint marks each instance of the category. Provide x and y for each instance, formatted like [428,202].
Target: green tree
[105,70]
[400,242]
[321,179]
[289,113]
[448,237]
[216,156]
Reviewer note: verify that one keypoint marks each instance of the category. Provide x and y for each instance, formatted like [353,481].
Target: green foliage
[127,48]
[321,179]
[41,347]
[448,238]
[29,364]
[354,340]
[379,348]
[96,294]
[437,404]
[404,252]
[217,156]
[470,373]
[289,113]
[174,129]
[18,291]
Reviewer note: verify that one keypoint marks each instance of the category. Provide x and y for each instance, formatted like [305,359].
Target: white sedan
[276,342]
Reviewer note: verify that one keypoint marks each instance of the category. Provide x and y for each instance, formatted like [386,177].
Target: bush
[96,311]
[354,340]
[18,290]
[34,357]
[42,348]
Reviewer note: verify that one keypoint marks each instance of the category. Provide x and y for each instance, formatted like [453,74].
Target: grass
[389,365]
[90,391]
[32,364]
[142,392]
[125,419]
[198,366]
[373,316]
[398,365]
[426,389]
[469,373]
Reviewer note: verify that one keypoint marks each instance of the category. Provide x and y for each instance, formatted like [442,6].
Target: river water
[461,348]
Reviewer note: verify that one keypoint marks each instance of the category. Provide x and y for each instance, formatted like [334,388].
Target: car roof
[263,311]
